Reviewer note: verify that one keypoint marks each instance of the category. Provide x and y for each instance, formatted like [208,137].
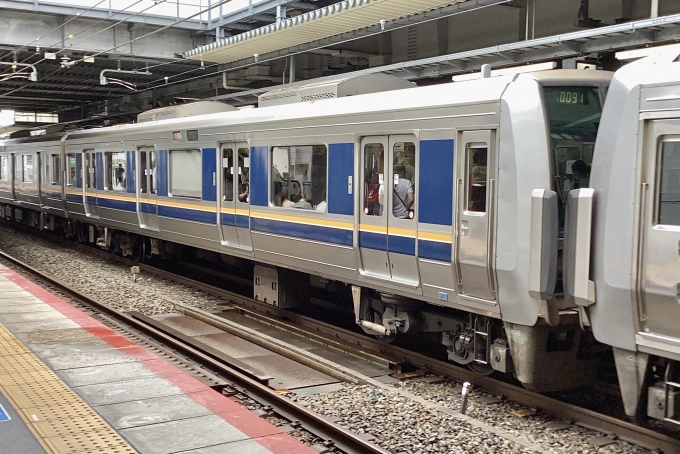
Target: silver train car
[622,262]
[442,207]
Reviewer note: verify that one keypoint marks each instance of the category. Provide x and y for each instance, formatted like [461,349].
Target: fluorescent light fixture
[50,56]
[508,71]
[6,117]
[639,53]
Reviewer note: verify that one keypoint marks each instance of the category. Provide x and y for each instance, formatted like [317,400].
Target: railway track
[362,345]
[237,378]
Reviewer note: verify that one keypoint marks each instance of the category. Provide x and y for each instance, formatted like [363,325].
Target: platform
[70,384]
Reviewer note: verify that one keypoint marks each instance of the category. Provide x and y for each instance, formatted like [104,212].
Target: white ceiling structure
[332,20]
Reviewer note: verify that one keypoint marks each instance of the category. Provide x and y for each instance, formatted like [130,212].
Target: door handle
[464,227]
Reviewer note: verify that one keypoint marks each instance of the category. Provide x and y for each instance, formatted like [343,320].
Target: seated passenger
[286,202]
[303,204]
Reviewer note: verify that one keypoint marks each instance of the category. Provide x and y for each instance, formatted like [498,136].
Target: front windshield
[573,116]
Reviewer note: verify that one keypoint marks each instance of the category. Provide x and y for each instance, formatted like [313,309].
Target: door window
[90,171]
[71,166]
[27,168]
[142,166]
[404,175]
[4,171]
[374,173]
[668,189]
[243,175]
[476,158]
[228,174]
[152,171]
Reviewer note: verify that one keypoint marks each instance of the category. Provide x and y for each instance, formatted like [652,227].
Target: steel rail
[361,344]
[340,437]
[364,345]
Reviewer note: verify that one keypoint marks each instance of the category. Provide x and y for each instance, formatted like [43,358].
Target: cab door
[147,199]
[473,226]
[659,279]
[234,199]
[90,182]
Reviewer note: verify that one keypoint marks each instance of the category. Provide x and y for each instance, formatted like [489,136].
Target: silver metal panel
[615,176]
[146,160]
[474,228]
[229,235]
[188,325]
[659,278]
[579,290]
[543,246]
[288,374]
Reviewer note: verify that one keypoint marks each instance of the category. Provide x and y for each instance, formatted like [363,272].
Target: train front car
[630,296]
[549,122]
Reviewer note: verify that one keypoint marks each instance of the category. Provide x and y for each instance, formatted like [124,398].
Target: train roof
[487,90]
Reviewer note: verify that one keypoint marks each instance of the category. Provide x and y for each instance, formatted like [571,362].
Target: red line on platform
[238,416]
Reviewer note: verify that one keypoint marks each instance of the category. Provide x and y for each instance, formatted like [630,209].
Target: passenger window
[142,165]
[90,170]
[476,158]
[4,174]
[404,174]
[668,188]
[27,168]
[228,174]
[114,178]
[185,173]
[71,167]
[243,175]
[54,164]
[152,171]
[298,177]
[374,172]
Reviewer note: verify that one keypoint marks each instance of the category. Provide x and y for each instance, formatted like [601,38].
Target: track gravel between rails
[415,416]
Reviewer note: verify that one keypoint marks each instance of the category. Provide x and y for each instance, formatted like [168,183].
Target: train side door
[227,218]
[38,177]
[90,182]
[387,224]
[473,226]
[242,196]
[399,192]
[15,175]
[147,199]
[373,216]
[659,279]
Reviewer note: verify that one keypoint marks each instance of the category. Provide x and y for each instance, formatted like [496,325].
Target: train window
[90,169]
[476,158]
[404,172]
[298,177]
[374,170]
[114,177]
[244,175]
[185,173]
[27,168]
[152,170]
[71,167]
[228,174]
[4,168]
[668,188]
[54,169]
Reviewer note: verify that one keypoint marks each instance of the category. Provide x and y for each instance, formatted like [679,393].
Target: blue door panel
[340,169]
[208,156]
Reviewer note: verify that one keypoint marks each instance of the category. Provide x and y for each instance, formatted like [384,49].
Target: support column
[292,69]
[655,9]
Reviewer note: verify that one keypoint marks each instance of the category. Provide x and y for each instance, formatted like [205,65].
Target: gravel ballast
[415,416]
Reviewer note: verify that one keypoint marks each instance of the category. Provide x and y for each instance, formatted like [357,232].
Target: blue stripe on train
[126,205]
[306,231]
[148,207]
[372,240]
[206,217]
[235,220]
[434,250]
[401,245]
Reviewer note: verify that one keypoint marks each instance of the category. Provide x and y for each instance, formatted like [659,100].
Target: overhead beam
[95,13]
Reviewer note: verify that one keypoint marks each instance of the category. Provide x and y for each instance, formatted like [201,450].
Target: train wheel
[138,250]
[482,369]
[148,255]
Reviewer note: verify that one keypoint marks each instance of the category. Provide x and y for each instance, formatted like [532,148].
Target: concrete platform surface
[67,380]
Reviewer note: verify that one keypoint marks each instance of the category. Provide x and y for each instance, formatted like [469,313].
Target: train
[482,214]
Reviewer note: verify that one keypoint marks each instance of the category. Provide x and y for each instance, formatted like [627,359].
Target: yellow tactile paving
[61,421]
